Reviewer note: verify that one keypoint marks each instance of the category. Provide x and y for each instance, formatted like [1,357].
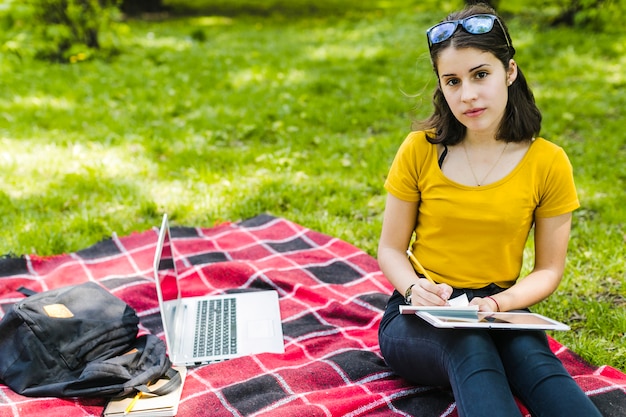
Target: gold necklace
[479,183]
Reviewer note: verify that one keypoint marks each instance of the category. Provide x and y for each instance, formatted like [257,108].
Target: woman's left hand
[484,304]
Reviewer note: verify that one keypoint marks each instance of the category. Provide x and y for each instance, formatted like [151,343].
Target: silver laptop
[200,330]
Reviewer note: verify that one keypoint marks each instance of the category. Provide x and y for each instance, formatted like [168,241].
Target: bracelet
[408,295]
[494,300]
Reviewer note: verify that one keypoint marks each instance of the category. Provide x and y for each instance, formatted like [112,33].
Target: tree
[62,30]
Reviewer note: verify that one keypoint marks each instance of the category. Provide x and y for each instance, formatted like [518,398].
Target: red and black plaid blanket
[332,297]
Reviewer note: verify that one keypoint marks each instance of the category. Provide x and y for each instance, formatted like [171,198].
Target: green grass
[298,113]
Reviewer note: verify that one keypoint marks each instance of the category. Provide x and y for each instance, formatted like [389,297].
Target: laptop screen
[164,266]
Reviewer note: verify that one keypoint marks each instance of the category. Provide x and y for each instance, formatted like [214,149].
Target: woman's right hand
[425,293]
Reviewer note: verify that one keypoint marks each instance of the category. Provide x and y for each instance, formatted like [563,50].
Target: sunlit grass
[213,118]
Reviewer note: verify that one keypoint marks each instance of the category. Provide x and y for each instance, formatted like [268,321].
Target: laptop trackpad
[260,329]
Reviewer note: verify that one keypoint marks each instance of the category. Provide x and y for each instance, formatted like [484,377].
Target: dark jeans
[485,368]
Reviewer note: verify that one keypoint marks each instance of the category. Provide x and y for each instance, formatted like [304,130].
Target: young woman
[468,188]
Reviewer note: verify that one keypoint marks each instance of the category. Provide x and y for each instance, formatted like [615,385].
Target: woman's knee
[526,350]
[414,352]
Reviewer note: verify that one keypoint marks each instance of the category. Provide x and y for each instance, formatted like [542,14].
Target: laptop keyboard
[216,328]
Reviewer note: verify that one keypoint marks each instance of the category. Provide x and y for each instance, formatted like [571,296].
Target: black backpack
[79,341]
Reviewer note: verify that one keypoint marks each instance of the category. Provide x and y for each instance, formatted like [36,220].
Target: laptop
[470,318]
[201,330]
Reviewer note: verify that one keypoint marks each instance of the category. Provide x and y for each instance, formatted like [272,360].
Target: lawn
[296,111]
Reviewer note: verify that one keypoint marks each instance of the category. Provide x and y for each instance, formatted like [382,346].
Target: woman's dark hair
[522,118]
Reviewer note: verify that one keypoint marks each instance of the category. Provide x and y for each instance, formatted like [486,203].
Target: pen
[132,403]
[418,266]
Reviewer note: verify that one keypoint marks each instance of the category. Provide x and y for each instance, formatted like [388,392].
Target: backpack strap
[174,382]
[27,292]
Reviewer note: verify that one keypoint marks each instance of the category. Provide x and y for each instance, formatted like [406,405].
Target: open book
[457,308]
[149,406]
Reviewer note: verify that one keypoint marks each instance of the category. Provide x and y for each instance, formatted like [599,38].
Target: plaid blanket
[332,297]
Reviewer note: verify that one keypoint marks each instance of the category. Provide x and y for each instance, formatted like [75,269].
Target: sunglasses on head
[476,25]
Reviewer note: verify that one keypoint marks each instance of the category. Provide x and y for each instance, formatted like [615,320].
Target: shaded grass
[215,118]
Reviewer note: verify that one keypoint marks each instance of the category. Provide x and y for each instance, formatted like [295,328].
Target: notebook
[200,330]
[147,405]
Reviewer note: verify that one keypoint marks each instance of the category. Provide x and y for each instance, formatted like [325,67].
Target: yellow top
[470,237]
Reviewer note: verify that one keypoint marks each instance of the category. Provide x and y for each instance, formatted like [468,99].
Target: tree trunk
[135,7]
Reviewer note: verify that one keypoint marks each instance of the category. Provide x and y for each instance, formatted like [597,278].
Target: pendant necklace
[479,183]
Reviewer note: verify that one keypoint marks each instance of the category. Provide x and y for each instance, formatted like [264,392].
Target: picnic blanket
[332,296]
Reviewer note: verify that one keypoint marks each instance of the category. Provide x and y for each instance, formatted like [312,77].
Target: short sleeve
[403,179]
[559,194]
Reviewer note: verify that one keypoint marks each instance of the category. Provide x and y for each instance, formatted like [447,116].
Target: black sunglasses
[476,25]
